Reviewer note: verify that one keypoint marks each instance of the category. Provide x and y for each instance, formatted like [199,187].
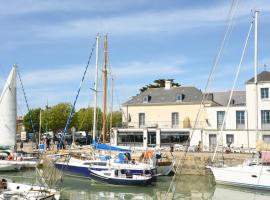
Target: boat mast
[39,131]
[105,91]
[95,91]
[256,70]
[111,109]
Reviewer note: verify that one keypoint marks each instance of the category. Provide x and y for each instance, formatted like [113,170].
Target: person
[21,145]
[199,147]
[228,149]
[48,141]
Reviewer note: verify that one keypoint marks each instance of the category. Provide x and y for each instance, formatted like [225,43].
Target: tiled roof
[222,98]
[262,77]
[167,96]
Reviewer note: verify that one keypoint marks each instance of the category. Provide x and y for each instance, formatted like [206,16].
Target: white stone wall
[230,121]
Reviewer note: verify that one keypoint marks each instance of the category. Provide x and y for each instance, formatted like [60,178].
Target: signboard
[23,136]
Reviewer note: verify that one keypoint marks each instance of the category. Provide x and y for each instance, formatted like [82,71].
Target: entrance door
[212,141]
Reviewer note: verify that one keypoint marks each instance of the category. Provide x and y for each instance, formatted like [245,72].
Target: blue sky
[147,40]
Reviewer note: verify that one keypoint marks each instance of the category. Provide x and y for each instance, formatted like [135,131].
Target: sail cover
[109,147]
[8,112]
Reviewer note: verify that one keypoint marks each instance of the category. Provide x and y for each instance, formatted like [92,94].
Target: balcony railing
[164,124]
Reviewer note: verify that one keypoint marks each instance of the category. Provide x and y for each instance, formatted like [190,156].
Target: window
[229,139]
[168,138]
[212,140]
[128,138]
[180,97]
[265,118]
[220,118]
[146,99]
[266,139]
[151,139]
[240,119]
[141,120]
[264,93]
[175,120]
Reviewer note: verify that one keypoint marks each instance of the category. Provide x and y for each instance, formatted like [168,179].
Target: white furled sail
[8,112]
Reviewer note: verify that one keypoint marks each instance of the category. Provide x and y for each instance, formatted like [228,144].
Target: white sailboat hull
[256,177]
[9,167]
[165,168]
[18,164]
[28,192]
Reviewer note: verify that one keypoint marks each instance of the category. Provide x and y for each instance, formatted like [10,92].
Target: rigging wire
[25,98]
[76,98]
[217,59]
[232,90]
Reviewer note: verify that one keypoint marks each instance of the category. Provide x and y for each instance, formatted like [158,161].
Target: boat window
[107,174]
[99,163]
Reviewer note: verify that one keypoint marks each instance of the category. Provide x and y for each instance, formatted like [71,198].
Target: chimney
[168,84]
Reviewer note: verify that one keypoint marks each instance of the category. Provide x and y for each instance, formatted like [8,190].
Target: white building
[166,116]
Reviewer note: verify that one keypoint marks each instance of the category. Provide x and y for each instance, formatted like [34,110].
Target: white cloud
[143,22]
[51,6]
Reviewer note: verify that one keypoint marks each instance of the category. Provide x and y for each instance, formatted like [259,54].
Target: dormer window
[180,97]
[232,102]
[146,99]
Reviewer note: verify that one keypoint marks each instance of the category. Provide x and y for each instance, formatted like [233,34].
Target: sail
[8,112]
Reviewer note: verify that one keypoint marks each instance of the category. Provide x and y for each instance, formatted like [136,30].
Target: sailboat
[80,167]
[250,174]
[8,114]
[10,160]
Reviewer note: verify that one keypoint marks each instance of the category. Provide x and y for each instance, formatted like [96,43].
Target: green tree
[34,114]
[159,83]
[55,118]
[116,119]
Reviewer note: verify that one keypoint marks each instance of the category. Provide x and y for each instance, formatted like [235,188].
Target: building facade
[160,117]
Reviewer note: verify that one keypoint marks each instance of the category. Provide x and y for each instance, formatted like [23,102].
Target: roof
[262,77]
[222,98]
[167,96]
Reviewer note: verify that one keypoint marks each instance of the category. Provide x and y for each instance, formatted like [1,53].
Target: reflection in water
[235,193]
[185,187]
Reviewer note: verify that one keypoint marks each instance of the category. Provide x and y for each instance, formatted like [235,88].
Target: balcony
[164,124]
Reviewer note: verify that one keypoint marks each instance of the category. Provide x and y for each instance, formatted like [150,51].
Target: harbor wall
[195,163]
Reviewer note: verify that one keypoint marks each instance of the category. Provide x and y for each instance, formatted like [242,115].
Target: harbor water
[185,187]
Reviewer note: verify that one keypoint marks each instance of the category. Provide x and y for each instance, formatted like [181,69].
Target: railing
[163,124]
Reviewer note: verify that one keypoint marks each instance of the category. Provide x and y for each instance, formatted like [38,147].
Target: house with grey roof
[169,115]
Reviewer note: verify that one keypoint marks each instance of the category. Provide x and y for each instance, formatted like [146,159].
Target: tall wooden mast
[105,92]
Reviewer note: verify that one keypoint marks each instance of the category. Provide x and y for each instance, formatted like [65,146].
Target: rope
[25,98]
[76,98]
[217,59]
[232,90]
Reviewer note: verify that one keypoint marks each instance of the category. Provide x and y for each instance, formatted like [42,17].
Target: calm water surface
[187,187]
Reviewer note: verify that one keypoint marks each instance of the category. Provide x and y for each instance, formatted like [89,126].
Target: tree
[34,115]
[116,119]
[56,117]
[85,117]
[159,83]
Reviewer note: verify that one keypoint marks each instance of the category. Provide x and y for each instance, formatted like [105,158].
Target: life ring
[10,157]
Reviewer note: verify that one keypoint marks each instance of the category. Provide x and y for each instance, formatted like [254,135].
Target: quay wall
[195,163]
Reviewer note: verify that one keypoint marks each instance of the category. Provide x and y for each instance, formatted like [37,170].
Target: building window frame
[141,120]
[265,119]
[175,120]
[264,93]
[240,119]
[220,118]
[229,139]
